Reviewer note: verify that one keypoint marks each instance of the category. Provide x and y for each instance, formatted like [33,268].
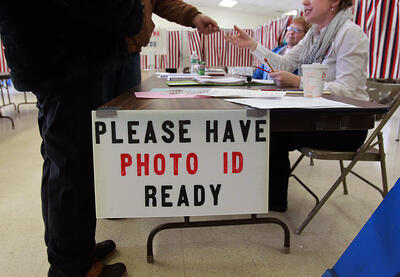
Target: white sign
[158,43]
[180,163]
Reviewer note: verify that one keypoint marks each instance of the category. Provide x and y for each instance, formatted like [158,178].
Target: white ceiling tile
[259,7]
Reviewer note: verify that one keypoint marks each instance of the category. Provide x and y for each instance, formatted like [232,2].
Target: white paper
[291,102]
[227,80]
[266,82]
[244,93]
[186,77]
[165,75]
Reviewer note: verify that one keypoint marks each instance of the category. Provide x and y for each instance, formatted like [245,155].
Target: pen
[272,70]
[262,69]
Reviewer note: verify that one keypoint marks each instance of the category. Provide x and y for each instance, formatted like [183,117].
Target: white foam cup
[313,79]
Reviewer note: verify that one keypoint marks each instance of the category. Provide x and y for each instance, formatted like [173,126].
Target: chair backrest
[383,93]
[392,90]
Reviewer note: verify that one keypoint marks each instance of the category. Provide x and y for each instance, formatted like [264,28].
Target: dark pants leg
[45,171]
[68,204]
[282,143]
[119,81]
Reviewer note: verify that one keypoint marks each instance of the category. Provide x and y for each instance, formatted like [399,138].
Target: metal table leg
[213,223]
[3,101]
[25,102]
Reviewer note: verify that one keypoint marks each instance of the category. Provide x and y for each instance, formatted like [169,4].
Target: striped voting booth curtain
[3,63]
[215,49]
[196,42]
[230,55]
[171,60]
[271,34]
[379,19]
[174,49]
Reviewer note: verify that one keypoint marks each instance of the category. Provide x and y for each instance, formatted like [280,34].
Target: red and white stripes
[196,42]
[218,52]
[171,60]
[3,63]
[379,19]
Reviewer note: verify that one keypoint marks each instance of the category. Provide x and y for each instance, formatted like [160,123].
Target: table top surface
[4,75]
[128,101]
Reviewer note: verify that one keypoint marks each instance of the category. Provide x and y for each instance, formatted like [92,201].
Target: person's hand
[242,40]
[205,24]
[285,79]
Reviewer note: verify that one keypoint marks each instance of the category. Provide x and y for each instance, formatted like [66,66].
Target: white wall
[225,18]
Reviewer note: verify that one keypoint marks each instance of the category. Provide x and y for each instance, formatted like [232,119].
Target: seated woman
[295,32]
[333,40]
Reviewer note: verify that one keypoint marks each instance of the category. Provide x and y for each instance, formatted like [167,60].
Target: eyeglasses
[296,30]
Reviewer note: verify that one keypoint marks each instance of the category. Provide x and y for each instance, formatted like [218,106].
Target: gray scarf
[314,51]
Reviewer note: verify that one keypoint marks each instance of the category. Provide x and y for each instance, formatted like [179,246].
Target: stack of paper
[225,81]
[265,82]
[215,71]
[244,93]
[166,75]
[186,77]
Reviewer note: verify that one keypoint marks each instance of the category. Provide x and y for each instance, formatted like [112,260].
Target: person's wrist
[253,45]
[196,19]
[297,81]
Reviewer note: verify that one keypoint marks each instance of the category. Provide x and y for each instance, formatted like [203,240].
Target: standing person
[49,49]
[173,10]
[333,40]
[295,32]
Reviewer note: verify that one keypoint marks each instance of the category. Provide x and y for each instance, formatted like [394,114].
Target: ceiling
[271,8]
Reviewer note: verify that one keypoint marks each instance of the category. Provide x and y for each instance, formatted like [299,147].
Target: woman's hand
[242,40]
[285,79]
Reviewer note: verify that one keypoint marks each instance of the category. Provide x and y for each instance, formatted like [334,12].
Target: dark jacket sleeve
[123,17]
[176,11]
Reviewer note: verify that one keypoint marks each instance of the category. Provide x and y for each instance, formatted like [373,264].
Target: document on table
[226,81]
[186,77]
[288,102]
[166,75]
[208,92]
[244,93]
[261,81]
[168,94]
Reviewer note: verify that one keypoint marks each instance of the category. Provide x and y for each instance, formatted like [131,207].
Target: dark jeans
[282,143]
[121,80]
[68,203]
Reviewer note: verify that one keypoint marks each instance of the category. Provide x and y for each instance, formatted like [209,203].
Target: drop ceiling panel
[259,7]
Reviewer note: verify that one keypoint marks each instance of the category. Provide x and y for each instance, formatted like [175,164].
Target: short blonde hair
[302,21]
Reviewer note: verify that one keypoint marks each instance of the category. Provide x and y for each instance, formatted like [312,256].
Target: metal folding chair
[367,152]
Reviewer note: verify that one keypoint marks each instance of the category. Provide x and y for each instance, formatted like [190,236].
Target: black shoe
[99,269]
[104,249]
[277,208]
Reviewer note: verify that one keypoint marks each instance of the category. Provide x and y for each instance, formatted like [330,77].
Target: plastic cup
[313,79]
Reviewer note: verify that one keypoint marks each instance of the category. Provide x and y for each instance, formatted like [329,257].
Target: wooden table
[360,118]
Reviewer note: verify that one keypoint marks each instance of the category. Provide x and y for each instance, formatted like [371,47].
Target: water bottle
[202,68]
[194,59]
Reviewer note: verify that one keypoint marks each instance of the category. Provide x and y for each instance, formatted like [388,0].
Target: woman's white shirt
[347,60]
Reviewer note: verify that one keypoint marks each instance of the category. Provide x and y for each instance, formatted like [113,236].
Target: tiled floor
[253,250]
